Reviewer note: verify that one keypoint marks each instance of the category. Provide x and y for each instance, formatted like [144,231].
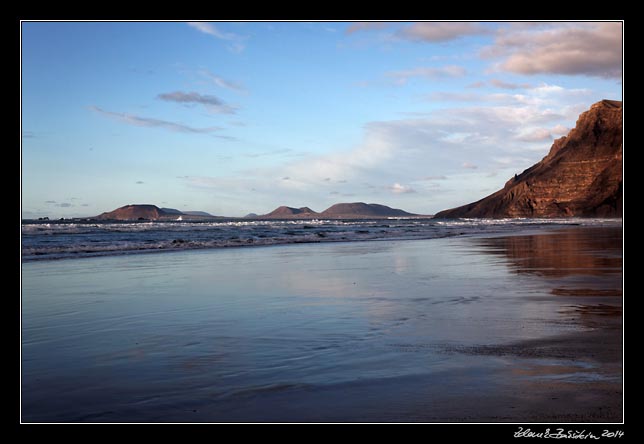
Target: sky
[242,117]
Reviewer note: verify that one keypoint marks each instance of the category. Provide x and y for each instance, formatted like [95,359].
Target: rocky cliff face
[581,176]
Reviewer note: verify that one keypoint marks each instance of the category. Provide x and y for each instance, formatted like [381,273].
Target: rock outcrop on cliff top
[581,176]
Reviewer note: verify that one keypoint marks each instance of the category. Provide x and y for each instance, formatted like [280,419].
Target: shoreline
[499,232]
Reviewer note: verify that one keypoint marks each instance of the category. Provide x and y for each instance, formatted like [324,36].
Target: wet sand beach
[522,328]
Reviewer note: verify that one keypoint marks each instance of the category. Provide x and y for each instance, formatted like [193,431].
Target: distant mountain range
[357,210]
[581,176]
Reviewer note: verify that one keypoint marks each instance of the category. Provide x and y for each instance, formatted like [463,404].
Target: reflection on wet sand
[574,251]
[580,262]
[583,266]
[582,269]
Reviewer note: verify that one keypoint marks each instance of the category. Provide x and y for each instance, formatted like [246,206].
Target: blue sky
[238,117]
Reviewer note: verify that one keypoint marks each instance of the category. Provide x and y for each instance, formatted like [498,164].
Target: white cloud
[236,41]
[469,165]
[509,85]
[365,26]
[544,96]
[401,189]
[592,49]
[536,135]
[440,31]
[560,130]
[442,72]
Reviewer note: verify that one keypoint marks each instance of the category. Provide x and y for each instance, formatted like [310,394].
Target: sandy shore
[523,328]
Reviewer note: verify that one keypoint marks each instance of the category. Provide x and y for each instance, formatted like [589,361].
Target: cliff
[580,176]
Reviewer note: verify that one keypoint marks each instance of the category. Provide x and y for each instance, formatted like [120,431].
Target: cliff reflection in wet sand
[577,261]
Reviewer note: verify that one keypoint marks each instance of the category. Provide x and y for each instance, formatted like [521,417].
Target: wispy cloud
[440,177]
[213,104]
[235,41]
[593,49]
[534,95]
[440,31]
[478,84]
[149,122]
[221,82]
[560,130]
[448,96]
[139,182]
[536,135]
[442,72]
[401,189]
[269,153]
[509,85]
[469,165]
[28,135]
[365,26]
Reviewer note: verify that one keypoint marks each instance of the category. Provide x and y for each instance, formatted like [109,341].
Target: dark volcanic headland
[581,175]
[151,212]
[359,209]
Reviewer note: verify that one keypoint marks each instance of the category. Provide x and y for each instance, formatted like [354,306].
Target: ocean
[72,239]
